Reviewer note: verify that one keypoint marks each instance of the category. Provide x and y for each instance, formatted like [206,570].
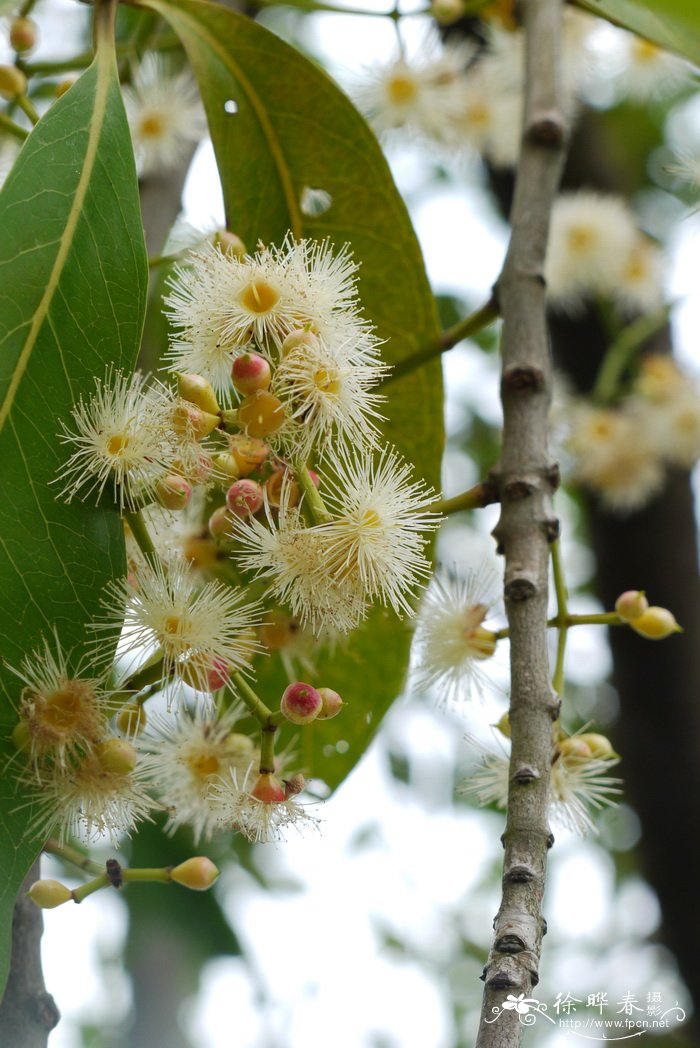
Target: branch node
[519,489]
[46,1010]
[520,588]
[500,980]
[546,128]
[551,528]
[521,378]
[520,874]
[510,944]
[526,774]
[552,475]
[550,840]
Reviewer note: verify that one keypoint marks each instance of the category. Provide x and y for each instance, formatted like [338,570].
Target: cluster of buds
[301,703]
[649,621]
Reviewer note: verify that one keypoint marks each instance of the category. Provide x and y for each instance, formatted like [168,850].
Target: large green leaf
[673,24]
[73,278]
[293,128]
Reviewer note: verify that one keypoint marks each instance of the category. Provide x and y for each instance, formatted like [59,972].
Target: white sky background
[421,872]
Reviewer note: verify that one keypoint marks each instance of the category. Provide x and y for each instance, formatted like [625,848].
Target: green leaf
[73,279]
[294,129]
[673,24]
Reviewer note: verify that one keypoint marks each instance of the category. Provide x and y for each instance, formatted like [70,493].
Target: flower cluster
[622,452]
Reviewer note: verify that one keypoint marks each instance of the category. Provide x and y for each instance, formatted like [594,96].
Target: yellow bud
[198,873]
[132,719]
[191,421]
[445,12]
[23,34]
[21,735]
[575,746]
[229,244]
[197,390]
[503,725]
[261,414]
[49,894]
[12,82]
[117,755]
[227,465]
[631,604]
[599,745]
[656,623]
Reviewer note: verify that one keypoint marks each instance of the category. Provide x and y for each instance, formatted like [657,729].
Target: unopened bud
[132,719]
[23,34]
[445,12]
[631,604]
[251,372]
[301,703]
[229,244]
[249,453]
[21,735]
[599,745]
[575,746]
[198,873]
[173,492]
[205,673]
[294,785]
[278,631]
[13,82]
[240,748]
[117,755]
[300,339]
[220,523]
[196,390]
[269,789]
[261,414]
[656,623]
[503,725]
[201,551]
[244,497]
[226,465]
[190,421]
[49,894]
[331,703]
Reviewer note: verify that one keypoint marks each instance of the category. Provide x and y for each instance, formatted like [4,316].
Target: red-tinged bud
[132,719]
[244,497]
[599,745]
[261,414]
[294,785]
[251,372]
[631,605]
[196,390]
[12,82]
[197,469]
[226,465]
[575,746]
[331,703]
[218,675]
[229,244]
[49,894]
[173,492]
[23,34]
[204,673]
[269,789]
[315,479]
[300,339]
[117,755]
[273,488]
[301,703]
[198,873]
[190,421]
[249,453]
[220,523]
[655,624]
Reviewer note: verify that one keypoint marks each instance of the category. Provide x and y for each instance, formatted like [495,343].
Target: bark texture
[27,1012]
[526,478]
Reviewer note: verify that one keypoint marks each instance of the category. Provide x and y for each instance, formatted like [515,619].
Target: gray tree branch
[526,478]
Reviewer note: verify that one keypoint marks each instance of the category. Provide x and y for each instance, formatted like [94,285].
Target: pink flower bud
[299,339]
[269,789]
[631,604]
[218,675]
[198,873]
[301,703]
[244,497]
[251,372]
[173,492]
[331,703]
[220,523]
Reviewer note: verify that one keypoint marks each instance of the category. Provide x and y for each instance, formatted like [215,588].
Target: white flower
[262,821]
[185,756]
[292,557]
[378,534]
[199,629]
[615,455]
[62,712]
[123,438]
[326,393]
[639,284]
[165,116]
[591,238]
[451,641]
[687,169]
[650,71]
[675,425]
[578,784]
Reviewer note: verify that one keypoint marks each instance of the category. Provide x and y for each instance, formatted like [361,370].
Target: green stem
[151,673]
[622,350]
[27,108]
[257,707]
[78,894]
[11,128]
[160,875]
[267,749]
[605,618]
[137,524]
[72,855]
[562,613]
[164,260]
[319,5]
[312,498]
[475,498]
[475,322]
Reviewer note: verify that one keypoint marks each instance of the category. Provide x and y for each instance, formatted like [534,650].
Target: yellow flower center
[174,624]
[478,115]
[401,89]
[259,297]
[117,444]
[327,381]
[644,52]
[581,238]
[62,709]
[152,126]
[202,765]
[371,519]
